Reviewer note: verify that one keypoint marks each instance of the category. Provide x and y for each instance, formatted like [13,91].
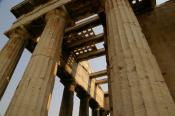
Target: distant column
[137,86]
[67,100]
[32,95]
[84,105]
[102,112]
[10,55]
[96,112]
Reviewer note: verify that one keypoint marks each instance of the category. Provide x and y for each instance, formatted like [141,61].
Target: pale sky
[6,21]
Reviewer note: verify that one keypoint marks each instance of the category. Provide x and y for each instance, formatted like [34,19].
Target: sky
[6,20]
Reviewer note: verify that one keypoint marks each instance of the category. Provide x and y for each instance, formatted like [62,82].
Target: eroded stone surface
[136,83]
[10,55]
[32,95]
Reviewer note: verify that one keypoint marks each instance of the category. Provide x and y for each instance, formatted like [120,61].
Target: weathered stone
[32,94]
[137,87]
[10,55]
[158,26]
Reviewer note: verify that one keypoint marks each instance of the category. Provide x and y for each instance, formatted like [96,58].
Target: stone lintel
[91,55]
[102,81]
[98,74]
[36,13]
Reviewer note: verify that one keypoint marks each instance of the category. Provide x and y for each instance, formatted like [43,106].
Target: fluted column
[84,105]
[137,86]
[32,94]
[67,100]
[10,55]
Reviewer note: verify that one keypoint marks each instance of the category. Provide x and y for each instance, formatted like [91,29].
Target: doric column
[67,100]
[96,112]
[10,55]
[32,94]
[84,105]
[102,112]
[137,86]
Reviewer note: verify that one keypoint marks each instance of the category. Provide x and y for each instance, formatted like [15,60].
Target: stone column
[84,105]
[96,112]
[137,86]
[67,100]
[102,112]
[10,55]
[32,94]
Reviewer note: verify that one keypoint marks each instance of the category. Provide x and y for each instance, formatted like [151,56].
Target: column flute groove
[10,55]
[137,86]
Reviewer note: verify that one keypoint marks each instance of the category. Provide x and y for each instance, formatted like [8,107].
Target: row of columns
[84,106]
[137,87]
[32,95]
[66,108]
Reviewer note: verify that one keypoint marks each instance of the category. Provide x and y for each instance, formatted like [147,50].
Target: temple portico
[139,56]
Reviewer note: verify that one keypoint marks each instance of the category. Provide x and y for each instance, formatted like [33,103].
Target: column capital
[69,83]
[83,94]
[20,33]
[10,55]
[70,86]
[56,13]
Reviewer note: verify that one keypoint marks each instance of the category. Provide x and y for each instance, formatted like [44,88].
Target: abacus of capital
[139,47]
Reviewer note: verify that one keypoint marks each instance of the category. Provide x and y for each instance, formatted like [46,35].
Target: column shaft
[96,112]
[10,55]
[102,112]
[67,101]
[32,94]
[84,106]
[137,86]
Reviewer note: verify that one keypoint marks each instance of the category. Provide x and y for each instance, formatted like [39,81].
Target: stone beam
[91,55]
[37,12]
[98,74]
[89,22]
[81,43]
[36,2]
[80,72]
[102,81]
